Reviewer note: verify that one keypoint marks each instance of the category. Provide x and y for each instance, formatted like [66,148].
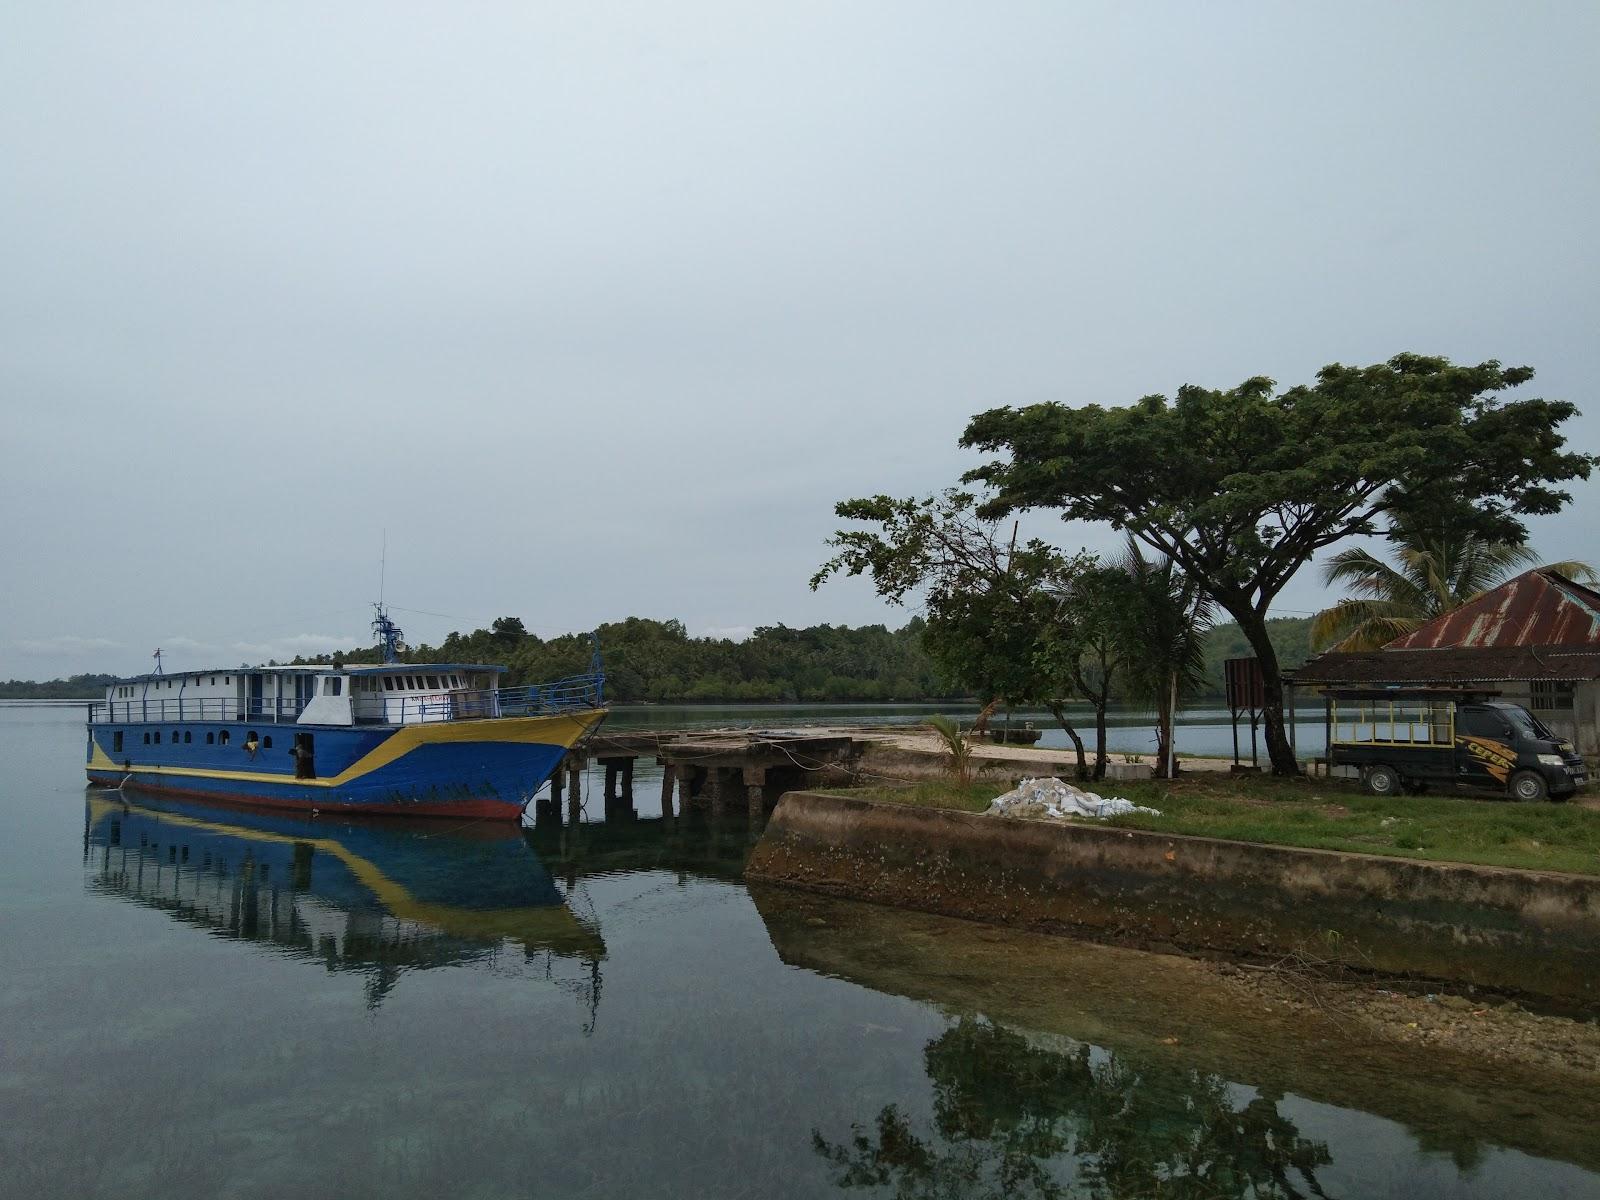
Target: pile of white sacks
[1053,798]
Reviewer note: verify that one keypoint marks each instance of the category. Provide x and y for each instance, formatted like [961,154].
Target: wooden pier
[708,769]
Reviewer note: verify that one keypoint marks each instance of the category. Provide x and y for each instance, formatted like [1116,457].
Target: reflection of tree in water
[1005,1111]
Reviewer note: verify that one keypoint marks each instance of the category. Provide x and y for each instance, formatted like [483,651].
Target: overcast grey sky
[598,308]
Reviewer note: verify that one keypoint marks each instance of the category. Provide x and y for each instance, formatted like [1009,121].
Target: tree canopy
[1241,487]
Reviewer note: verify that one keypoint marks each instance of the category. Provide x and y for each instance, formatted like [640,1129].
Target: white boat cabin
[350,694]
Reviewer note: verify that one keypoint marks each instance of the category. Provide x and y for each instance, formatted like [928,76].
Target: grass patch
[1329,815]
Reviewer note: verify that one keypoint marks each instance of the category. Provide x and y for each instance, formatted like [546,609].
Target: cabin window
[158,737]
[266,742]
[223,737]
[1482,722]
[332,687]
[147,737]
[227,679]
[116,742]
[174,737]
[433,683]
[187,737]
[213,681]
[388,683]
[211,739]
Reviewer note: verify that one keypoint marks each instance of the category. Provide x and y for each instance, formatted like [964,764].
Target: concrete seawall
[1520,932]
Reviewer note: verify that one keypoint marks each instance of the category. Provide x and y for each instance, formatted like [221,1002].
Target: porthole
[266,742]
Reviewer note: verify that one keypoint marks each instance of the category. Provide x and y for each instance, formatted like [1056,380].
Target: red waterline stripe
[499,810]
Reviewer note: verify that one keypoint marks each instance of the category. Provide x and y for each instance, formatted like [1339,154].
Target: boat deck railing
[574,694]
[219,709]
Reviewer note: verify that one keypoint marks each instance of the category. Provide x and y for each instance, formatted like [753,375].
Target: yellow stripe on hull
[564,730]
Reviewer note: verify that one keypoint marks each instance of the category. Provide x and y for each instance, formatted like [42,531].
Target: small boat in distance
[390,738]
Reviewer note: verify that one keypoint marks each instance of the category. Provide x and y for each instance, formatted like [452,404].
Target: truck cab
[1408,739]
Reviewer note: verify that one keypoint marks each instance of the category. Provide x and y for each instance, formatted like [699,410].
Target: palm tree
[1164,626]
[1434,574]
[957,750]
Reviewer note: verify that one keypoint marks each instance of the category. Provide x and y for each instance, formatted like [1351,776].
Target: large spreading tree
[1018,624]
[1241,488]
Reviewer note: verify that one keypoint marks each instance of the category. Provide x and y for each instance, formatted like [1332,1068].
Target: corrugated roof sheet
[1501,664]
[1537,608]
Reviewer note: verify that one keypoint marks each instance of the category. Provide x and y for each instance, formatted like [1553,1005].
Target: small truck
[1408,739]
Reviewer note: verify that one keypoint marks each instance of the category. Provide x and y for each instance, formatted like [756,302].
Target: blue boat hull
[482,768]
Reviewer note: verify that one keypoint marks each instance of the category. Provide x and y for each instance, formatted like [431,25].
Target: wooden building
[1535,639]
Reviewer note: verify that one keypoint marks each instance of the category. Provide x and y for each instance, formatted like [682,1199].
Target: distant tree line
[74,687]
[657,661]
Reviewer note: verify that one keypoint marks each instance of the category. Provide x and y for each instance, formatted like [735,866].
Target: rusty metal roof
[1453,666]
[1537,608]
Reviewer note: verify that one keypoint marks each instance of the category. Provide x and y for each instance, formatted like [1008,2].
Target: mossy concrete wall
[1520,932]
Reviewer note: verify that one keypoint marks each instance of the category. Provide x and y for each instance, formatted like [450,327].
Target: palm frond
[957,750]
[1367,575]
[1362,624]
[1571,568]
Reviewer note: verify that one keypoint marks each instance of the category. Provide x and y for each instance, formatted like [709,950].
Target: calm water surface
[197,1002]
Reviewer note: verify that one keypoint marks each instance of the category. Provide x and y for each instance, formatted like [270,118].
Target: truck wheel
[1528,786]
[1382,780]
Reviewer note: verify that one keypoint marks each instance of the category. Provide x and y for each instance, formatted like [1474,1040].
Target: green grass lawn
[1330,815]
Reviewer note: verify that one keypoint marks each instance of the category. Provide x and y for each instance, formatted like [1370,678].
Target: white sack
[1053,798]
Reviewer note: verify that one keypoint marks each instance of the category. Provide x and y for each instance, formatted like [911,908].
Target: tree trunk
[1100,697]
[1100,737]
[1254,627]
[1163,740]
[1077,742]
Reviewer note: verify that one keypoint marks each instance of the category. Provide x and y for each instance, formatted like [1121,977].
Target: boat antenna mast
[157,657]
[389,635]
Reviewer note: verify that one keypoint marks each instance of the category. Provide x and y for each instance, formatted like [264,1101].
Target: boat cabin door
[255,694]
[304,751]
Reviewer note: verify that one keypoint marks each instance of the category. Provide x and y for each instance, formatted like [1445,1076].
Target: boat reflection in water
[374,897]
